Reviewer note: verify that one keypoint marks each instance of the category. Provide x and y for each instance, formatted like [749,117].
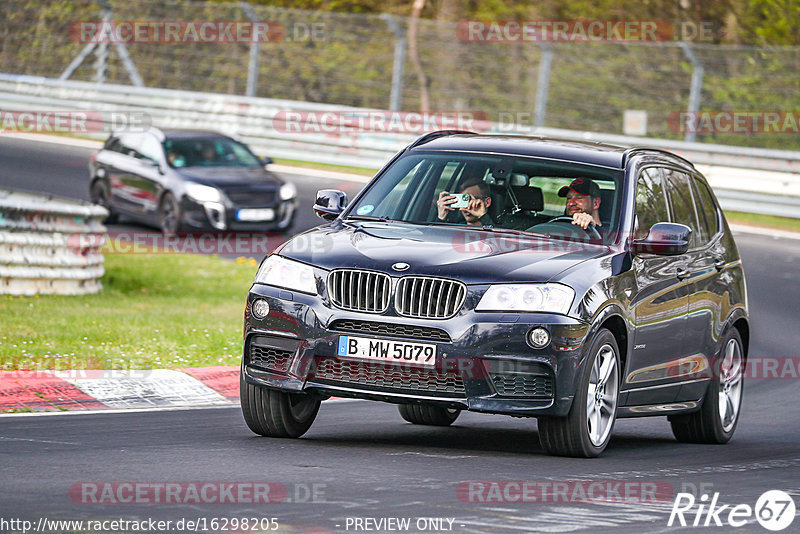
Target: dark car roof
[594,153]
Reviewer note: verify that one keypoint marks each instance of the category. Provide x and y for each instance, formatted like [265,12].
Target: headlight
[554,298]
[203,193]
[288,191]
[288,274]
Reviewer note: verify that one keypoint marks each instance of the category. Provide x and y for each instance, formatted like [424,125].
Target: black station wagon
[568,281]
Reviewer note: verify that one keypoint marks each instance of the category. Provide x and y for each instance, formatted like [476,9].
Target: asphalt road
[360,460]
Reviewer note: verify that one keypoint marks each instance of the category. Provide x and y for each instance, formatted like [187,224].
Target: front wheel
[421,414]
[169,214]
[717,419]
[276,414]
[586,430]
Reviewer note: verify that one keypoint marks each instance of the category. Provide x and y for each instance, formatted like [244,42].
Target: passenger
[477,213]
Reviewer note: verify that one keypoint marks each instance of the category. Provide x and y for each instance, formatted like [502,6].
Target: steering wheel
[567,219]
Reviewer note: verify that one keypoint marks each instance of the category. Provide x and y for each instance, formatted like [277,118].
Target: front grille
[363,291]
[269,358]
[535,386]
[391,329]
[423,297]
[380,377]
[251,197]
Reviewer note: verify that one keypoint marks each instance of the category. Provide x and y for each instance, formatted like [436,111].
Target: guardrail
[736,173]
[49,245]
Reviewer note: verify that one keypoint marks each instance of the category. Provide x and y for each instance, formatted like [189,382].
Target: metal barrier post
[252,65]
[398,67]
[696,86]
[543,84]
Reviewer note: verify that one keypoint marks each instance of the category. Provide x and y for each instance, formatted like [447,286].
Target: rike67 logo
[774,510]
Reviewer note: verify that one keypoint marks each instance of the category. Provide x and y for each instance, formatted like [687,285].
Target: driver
[583,202]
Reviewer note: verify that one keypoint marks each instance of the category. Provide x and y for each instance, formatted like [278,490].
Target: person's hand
[477,207]
[582,219]
[443,204]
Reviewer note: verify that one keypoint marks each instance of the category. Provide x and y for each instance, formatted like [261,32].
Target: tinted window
[681,202]
[408,190]
[129,145]
[208,152]
[651,206]
[706,211]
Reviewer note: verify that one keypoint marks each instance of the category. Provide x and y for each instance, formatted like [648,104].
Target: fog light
[538,337]
[260,308]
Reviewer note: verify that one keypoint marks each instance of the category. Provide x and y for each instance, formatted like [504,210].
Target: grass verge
[763,221]
[155,311]
[326,166]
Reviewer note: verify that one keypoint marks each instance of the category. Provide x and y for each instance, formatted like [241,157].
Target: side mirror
[330,203]
[266,160]
[664,239]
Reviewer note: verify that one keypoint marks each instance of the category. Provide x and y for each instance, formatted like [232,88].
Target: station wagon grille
[270,358]
[423,297]
[363,291]
[251,197]
[523,385]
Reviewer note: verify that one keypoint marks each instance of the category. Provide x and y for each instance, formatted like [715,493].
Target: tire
[98,193]
[169,215]
[586,430]
[276,414]
[725,392]
[421,414]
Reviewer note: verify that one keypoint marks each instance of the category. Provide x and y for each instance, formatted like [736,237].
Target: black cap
[582,186]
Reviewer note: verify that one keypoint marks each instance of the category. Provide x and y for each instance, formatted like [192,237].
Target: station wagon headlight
[288,274]
[553,298]
[288,191]
[203,193]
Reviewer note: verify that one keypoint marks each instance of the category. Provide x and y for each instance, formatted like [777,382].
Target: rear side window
[706,211]
[681,203]
[651,206]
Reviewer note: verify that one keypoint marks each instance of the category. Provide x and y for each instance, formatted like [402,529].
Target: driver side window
[651,204]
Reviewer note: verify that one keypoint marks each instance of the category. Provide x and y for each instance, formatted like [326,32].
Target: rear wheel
[717,419]
[586,431]
[421,414]
[276,414]
[100,195]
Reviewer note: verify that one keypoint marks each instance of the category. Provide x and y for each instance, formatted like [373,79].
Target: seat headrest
[529,198]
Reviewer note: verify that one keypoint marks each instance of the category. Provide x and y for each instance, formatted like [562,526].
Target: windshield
[208,152]
[499,192]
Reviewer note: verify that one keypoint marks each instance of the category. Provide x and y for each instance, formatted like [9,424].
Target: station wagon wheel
[99,194]
[586,430]
[716,420]
[423,414]
[169,215]
[277,414]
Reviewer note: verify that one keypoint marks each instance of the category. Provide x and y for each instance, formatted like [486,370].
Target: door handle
[681,273]
[719,264]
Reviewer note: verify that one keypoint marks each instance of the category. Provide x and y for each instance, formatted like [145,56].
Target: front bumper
[484,363]
[214,216]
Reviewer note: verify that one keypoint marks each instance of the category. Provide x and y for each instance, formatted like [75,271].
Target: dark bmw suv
[568,281]
[189,180]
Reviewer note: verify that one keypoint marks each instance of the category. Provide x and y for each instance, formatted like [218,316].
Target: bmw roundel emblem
[400,266]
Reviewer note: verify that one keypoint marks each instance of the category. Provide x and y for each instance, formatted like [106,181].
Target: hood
[472,256]
[230,176]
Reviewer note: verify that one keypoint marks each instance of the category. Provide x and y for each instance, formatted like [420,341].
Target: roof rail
[433,135]
[631,151]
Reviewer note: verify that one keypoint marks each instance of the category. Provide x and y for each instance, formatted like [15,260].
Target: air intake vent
[423,297]
[363,291]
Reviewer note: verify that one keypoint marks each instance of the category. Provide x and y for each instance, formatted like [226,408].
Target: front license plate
[255,214]
[414,354]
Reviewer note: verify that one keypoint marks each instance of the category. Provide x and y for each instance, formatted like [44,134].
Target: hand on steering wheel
[591,229]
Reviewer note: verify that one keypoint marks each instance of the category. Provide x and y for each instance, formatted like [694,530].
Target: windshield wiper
[367,218]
